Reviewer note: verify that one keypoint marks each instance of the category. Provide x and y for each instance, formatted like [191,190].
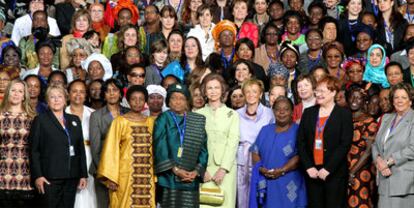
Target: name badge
[71,151]
[318,144]
[180,152]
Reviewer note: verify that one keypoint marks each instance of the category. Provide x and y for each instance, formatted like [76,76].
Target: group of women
[202,103]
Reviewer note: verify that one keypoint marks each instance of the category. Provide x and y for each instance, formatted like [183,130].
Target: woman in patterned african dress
[361,169]
[16,117]
[126,165]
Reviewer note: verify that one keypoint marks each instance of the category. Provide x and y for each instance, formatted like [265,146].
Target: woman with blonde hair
[15,120]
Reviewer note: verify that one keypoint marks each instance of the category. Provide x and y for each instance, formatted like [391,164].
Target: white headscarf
[106,64]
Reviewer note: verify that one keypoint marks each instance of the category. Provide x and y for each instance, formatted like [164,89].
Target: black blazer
[337,136]
[407,76]
[64,13]
[398,37]
[50,148]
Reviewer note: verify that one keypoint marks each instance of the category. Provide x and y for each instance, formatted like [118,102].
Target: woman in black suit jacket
[391,23]
[58,162]
[324,138]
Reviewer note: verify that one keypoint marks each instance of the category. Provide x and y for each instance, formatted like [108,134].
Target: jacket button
[324,150]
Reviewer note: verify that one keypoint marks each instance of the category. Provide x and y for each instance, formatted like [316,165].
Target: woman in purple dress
[275,177]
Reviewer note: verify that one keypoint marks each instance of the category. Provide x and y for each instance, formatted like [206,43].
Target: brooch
[74,123]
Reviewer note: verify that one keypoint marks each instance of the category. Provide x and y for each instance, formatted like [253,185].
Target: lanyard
[389,35]
[66,131]
[120,113]
[394,122]
[181,131]
[351,26]
[314,62]
[410,20]
[178,7]
[157,69]
[374,8]
[227,62]
[320,128]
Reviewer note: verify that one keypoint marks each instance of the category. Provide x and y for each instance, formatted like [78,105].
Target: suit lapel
[55,120]
[405,121]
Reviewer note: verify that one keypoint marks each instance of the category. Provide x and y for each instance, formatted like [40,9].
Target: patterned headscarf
[278,69]
[113,8]
[288,45]
[222,26]
[2,15]
[81,43]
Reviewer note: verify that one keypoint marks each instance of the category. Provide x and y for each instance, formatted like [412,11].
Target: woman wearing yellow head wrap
[224,35]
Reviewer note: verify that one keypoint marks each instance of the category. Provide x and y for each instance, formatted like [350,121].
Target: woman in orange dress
[361,189]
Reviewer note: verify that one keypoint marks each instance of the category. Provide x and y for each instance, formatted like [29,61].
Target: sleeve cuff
[164,166]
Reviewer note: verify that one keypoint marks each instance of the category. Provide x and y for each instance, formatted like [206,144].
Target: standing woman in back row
[391,26]
[324,138]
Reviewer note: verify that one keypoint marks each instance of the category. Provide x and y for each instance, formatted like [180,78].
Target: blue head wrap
[376,74]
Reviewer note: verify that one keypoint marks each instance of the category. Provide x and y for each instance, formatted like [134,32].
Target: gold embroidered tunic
[127,160]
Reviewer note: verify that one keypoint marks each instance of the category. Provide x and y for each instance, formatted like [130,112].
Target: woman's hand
[40,184]
[312,172]
[207,177]
[381,164]
[112,186]
[219,176]
[386,172]
[323,173]
[82,183]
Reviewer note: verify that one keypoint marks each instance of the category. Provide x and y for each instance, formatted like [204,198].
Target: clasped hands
[383,167]
[271,173]
[314,173]
[217,178]
[185,176]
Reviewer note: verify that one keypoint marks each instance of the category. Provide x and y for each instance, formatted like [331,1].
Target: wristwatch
[389,164]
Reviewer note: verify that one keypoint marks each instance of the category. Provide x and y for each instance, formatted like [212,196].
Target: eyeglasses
[142,75]
[4,80]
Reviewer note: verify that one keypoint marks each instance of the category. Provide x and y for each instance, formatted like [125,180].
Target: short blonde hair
[251,82]
[59,88]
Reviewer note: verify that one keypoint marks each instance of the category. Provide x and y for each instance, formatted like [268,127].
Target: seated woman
[275,177]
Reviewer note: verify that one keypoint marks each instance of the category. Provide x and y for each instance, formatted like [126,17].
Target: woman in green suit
[222,127]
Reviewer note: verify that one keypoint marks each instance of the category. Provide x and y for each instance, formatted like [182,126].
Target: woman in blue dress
[275,177]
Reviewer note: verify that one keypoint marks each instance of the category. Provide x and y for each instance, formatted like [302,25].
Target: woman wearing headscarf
[79,49]
[224,35]
[98,67]
[279,75]
[181,158]
[122,14]
[375,67]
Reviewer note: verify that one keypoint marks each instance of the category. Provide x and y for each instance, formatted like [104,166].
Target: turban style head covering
[222,26]
[106,64]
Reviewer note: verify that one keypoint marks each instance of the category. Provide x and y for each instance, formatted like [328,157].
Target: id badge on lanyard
[318,143]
